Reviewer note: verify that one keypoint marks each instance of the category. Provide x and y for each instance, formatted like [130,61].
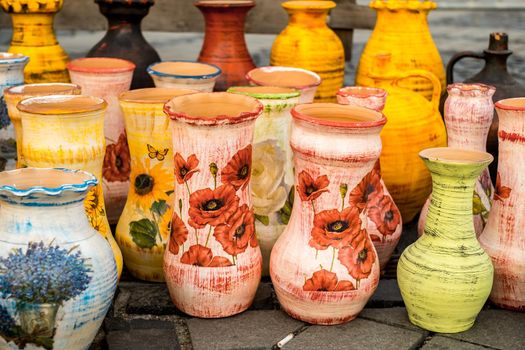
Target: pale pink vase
[107,78]
[504,236]
[468,115]
[324,267]
[213,264]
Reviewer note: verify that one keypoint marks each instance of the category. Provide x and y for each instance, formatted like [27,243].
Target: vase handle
[458,57]
[421,73]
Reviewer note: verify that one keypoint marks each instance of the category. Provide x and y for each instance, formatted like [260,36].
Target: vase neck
[35,29]
[305,18]
[402,21]
[496,63]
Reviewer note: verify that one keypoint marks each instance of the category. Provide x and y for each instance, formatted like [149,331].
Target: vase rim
[338,115]
[362,92]
[456,155]
[266,92]
[309,5]
[61,104]
[394,5]
[100,65]
[225,3]
[511,104]
[12,58]
[273,76]
[471,90]
[41,89]
[183,71]
[153,95]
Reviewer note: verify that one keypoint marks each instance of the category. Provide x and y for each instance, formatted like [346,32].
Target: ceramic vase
[213,264]
[324,267]
[445,277]
[303,80]
[124,37]
[107,78]
[383,228]
[224,44]
[272,168]
[58,275]
[144,227]
[184,75]
[468,116]
[67,131]
[11,74]
[307,42]
[503,238]
[18,93]
[34,36]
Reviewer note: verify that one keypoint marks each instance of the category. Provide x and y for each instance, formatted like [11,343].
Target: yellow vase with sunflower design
[67,131]
[144,227]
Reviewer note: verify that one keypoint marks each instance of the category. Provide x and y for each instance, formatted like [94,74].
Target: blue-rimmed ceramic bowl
[184,75]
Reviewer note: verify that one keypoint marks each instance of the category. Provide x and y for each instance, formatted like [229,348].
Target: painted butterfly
[154,153]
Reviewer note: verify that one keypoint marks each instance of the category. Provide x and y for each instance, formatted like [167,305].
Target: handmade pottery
[324,267]
[468,115]
[288,77]
[213,262]
[307,42]
[272,168]
[124,37]
[184,75]
[445,277]
[503,238]
[107,78]
[34,36]
[144,227]
[224,44]
[58,276]
[67,131]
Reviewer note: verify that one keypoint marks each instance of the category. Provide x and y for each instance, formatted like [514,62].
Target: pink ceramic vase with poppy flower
[504,235]
[213,262]
[324,267]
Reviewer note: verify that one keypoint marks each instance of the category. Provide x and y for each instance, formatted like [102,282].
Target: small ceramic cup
[184,75]
[368,97]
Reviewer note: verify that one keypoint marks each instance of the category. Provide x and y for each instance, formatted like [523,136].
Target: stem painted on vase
[333,259]
[208,237]
[187,187]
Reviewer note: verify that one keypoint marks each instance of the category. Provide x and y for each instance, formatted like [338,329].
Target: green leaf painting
[144,233]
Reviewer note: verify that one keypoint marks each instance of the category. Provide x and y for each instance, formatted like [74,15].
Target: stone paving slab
[443,343]
[395,316]
[387,294]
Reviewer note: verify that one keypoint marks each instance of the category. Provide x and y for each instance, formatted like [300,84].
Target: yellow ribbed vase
[445,277]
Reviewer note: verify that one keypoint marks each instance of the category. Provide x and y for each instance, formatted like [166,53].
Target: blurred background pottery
[184,75]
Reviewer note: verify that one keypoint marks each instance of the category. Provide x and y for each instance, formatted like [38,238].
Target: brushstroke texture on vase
[184,75]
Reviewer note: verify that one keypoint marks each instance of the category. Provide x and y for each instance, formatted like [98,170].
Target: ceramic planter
[468,116]
[503,238]
[296,78]
[184,75]
[213,264]
[324,267]
[67,131]
[107,78]
[144,227]
[58,276]
[445,277]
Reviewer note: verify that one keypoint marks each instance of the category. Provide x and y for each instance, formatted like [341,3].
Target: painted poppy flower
[117,161]
[358,258]
[502,192]
[385,215]
[179,234]
[309,189]
[326,281]
[239,169]
[368,190]
[212,207]
[238,232]
[336,229]
[199,255]
[184,169]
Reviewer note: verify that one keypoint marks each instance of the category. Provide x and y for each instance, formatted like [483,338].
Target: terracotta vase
[18,93]
[58,276]
[184,75]
[402,31]
[224,44]
[468,116]
[445,277]
[107,78]
[307,42]
[383,227]
[144,227]
[324,267]
[272,169]
[124,37]
[11,74]
[303,80]
[213,264]
[503,239]
[67,131]
[34,36]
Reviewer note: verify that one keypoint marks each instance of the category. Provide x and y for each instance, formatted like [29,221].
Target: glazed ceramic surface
[445,277]
[184,75]
[504,237]
[308,43]
[107,78]
[144,227]
[324,267]
[57,275]
[67,131]
[213,264]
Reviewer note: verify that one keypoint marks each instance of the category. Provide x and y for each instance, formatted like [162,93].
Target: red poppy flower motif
[326,281]
[184,169]
[179,234]
[238,232]
[239,169]
[367,191]
[502,192]
[212,207]
[309,189]
[335,229]
[117,161]
[385,215]
[199,255]
[358,258]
